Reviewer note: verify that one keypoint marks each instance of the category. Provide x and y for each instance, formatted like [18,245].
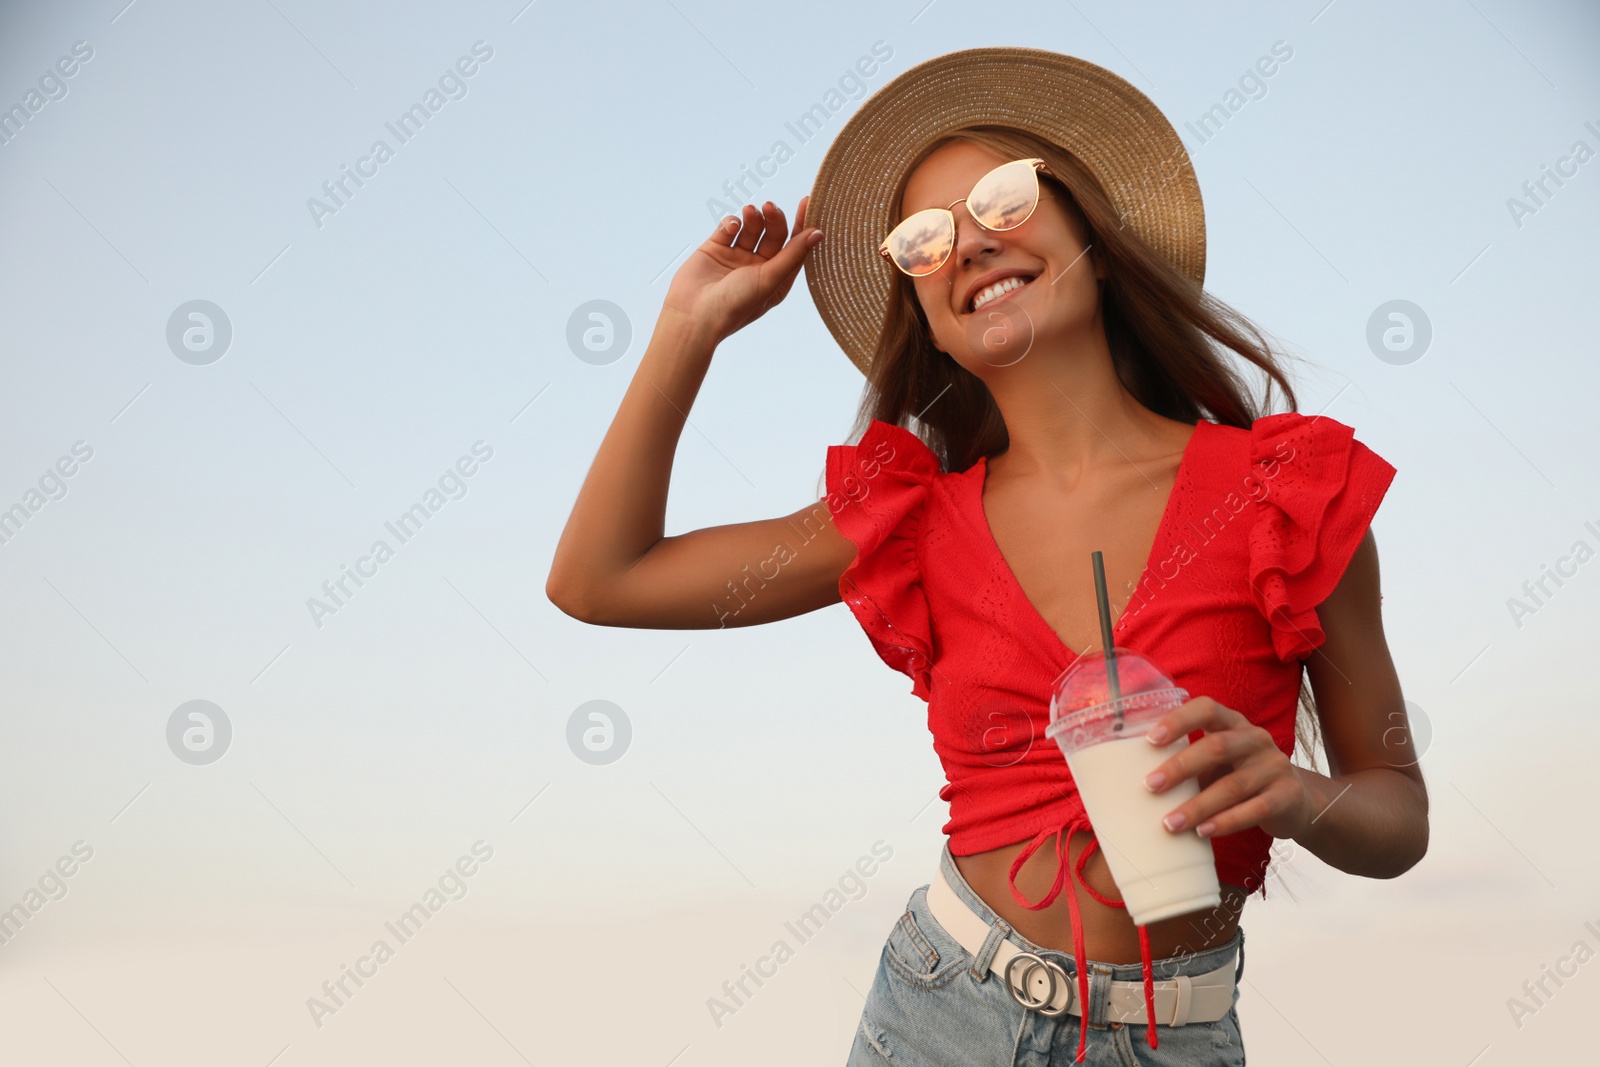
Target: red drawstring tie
[1075,822]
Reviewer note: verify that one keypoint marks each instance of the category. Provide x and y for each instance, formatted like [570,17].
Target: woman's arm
[612,565]
[1371,817]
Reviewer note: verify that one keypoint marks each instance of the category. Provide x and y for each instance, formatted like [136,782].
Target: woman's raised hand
[732,280]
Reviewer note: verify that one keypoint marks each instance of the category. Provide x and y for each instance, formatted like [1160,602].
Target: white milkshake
[1159,873]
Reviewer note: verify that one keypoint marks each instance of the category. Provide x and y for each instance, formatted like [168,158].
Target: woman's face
[1061,297]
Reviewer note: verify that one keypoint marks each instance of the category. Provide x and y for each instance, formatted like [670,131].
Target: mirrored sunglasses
[1002,199]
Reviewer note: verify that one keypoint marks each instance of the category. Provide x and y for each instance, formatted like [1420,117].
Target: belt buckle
[1052,970]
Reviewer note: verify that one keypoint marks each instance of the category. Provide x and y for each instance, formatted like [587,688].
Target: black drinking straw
[1105,633]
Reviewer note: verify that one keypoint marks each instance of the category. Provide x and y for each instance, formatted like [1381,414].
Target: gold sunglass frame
[1038,166]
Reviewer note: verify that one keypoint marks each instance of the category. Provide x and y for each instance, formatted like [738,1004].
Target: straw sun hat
[1111,127]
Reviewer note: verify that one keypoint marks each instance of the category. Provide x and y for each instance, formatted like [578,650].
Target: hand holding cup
[1244,777]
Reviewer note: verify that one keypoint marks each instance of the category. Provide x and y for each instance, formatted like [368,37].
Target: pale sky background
[370,353]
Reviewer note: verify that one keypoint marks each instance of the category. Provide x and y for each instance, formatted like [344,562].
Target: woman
[1042,321]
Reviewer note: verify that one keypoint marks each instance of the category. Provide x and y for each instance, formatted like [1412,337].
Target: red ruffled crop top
[1257,531]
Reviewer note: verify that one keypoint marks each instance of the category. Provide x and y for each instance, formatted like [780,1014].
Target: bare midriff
[1109,935]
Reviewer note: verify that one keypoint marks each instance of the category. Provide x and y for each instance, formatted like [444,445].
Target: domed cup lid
[1084,691]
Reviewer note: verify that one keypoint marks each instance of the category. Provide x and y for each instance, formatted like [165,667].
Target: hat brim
[1115,130]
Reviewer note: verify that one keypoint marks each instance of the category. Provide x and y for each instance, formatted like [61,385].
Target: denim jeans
[932,1006]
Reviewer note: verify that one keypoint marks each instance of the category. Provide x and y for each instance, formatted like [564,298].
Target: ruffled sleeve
[1319,488]
[877,490]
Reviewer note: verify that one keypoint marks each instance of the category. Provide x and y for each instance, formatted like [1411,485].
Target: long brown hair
[1170,340]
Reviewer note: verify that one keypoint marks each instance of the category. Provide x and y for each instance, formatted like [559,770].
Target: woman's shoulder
[876,487]
[889,462]
[891,445]
[1311,449]
[1314,488]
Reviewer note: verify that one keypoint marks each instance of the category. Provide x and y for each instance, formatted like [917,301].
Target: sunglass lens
[922,242]
[1006,196]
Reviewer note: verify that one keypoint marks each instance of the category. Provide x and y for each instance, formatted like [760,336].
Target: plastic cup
[1159,873]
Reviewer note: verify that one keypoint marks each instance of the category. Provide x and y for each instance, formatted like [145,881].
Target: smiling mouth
[1026,279]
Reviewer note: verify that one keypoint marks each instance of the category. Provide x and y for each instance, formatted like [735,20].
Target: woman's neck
[1068,413]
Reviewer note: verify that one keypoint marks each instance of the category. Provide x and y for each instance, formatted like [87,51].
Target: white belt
[1044,985]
